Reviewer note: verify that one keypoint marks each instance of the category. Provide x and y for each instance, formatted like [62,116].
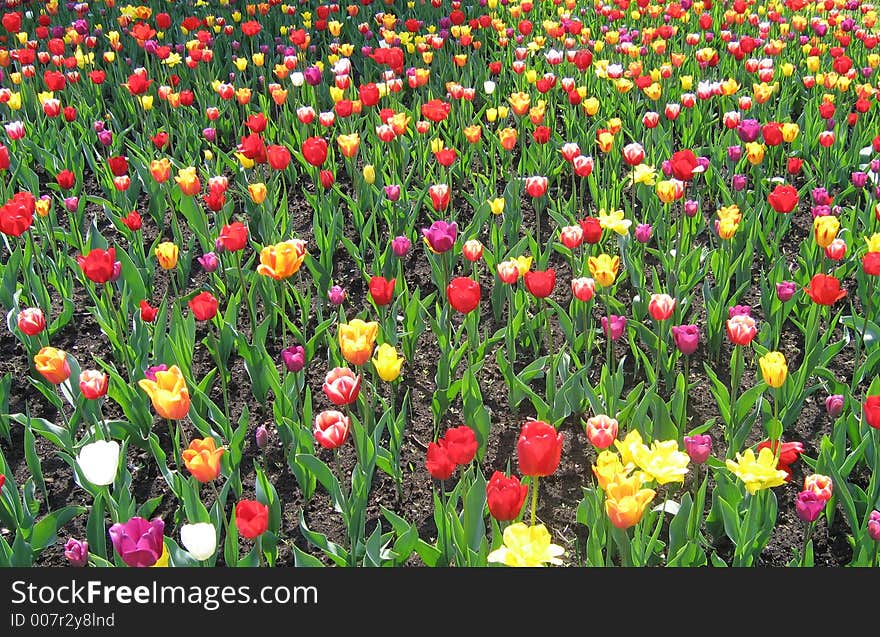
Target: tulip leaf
[45,532]
[332,550]
[302,559]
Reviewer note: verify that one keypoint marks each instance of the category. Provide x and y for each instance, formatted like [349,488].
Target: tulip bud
[77,552]
[834,405]
[400,246]
[262,437]
[809,506]
[785,290]
[209,262]
[601,431]
[99,462]
[874,526]
[337,295]
[200,540]
[31,321]
[294,358]
[643,232]
[698,447]
[618,326]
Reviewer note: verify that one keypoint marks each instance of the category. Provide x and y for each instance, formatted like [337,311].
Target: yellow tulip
[774,369]
[662,461]
[387,362]
[825,230]
[258,192]
[356,340]
[167,253]
[168,392]
[604,269]
[757,473]
[283,259]
[528,546]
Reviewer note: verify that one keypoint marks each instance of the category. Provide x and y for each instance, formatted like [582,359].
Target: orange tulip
[168,392]
[202,459]
[283,259]
[519,102]
[160,169]
[52,365]
[508,137]
[625,501]
[356,340]
[348,144]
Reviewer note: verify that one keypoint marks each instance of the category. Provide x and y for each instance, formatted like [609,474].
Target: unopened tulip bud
[698,447]
[785,290]
[336,295]
[209,262]
[874,525]
[262,437]
[691,207]
[400,246]
[834,405]
[643,232]
[77,552]
[294,358]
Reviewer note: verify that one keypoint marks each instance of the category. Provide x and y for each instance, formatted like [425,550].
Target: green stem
[808,532]
[535,484]
[220,506]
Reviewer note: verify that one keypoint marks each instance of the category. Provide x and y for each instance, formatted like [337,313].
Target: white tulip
[489,87]
[99,461]
[297,78]
[199,539]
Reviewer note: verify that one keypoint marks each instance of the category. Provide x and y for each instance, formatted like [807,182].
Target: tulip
[437,460]
[341,386]
[387,362]
[93,384]
[356,340]
[336,295]
[233,236]
[505,496]
[825,230]
[168,393]
[251,518]
[77,552]
[331,428]
[440,236]
[400,246]
[626,501]
[785,290]
[783,198]
[874,525]
[200,540]
[538,449]
[698,447]
[202,459]
[774,369]
[872,411]
[527,546]
[472,250]
[204,306]
[686,338]
[824,289]
[209,262]
[643,232]
[618,326]
[809,506]
[167,254]
[759,472]
[604,269]
[381,290]
[601,431]
[463,294]
[661,306]
[99,265]
[461,444]
[741,329]
[31,321]
[294,358]
[52,364]
[583,288]
[821,485]
[99,461]
[834,405]
[283,259]
[139,542]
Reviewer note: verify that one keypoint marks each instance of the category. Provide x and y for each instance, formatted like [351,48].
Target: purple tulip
[739,182]
[400,246]
[210,134]
[150,372]
[834,405]
[785,290]
[698,447]
[440,237]
[312,75]
[643,232]
[874,525]
[666,167]
[77,552]
[809,506]
[337,295]
[820,196]
[686,337]
[734,153]
[748,130]
[294,358]
[99,125]
[71,203]
[618,326]
[820,211]
[392,191]
[209,262]
[105,137]
[139,542]
[859,179]
[262,437]
[745,310]
[691,207]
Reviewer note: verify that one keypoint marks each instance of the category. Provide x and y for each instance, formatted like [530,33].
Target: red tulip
[539,448]
[327,179]
[505,496]
[233,236]
[382,290]
[461,444]
[871,263]
[93,384]
[592,229]
[65,179]
[251,518]
[463,294]
[540,282]
[437,460]
[661,306]
[825,289]
[256,122]
[204,306]
[683,164]
[439,194]
[536,186]
[118,166]
[314,150]
[784,198]
[148,312]
[279,157]
[98,265]
[31,321]
[872,411]
[132,221]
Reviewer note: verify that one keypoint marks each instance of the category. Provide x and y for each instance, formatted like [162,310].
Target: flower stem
[535,480]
